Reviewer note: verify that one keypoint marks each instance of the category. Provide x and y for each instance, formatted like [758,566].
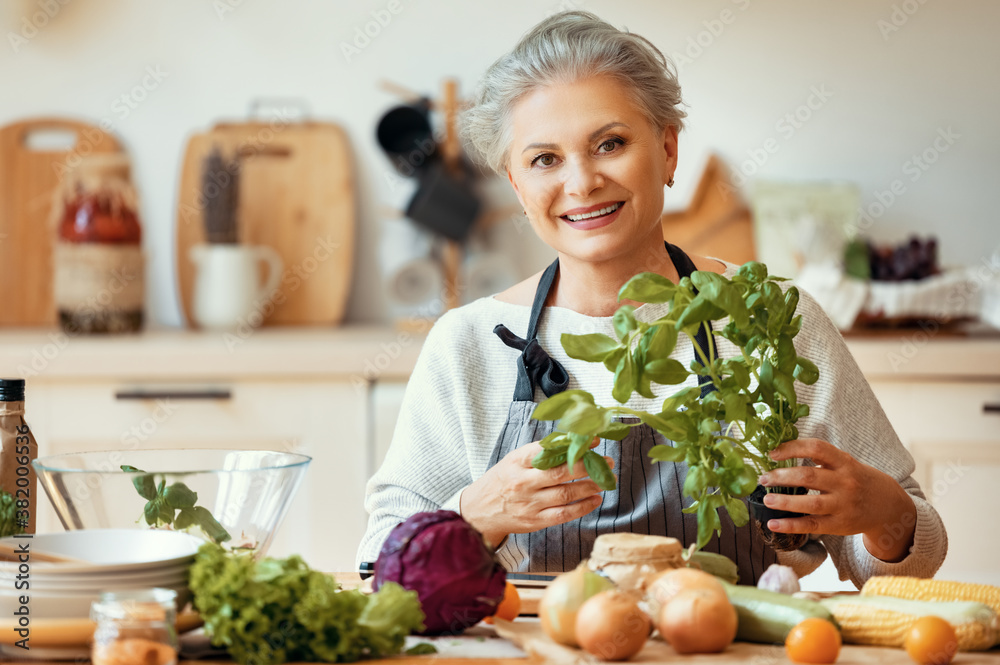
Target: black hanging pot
[760,514]
[405,134]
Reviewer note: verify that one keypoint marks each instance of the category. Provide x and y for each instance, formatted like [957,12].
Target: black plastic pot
[760,514]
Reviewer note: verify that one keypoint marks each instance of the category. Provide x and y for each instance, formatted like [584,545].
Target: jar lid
[156,604]
[104,164]
[634,548]
[11,390]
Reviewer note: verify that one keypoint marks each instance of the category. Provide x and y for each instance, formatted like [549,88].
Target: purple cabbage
[446,561]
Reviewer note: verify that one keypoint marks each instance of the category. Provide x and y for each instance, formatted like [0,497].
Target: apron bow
[545,371]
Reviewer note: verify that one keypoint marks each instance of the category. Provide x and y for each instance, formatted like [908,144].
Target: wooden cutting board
[296,196]
[28,180]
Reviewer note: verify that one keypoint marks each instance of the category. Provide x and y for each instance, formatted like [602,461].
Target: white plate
[109,550]
[65,604]
[49,585]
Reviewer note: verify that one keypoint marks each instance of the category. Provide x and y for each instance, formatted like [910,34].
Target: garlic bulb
[779,578]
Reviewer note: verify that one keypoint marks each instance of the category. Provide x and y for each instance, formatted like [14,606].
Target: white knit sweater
[457,399]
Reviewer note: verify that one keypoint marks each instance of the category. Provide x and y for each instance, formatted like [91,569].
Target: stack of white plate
[102,560]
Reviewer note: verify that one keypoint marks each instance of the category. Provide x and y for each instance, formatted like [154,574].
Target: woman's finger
[566,493]
[819,451]
[806,524]
[810,477]
[567,513]
[810,504]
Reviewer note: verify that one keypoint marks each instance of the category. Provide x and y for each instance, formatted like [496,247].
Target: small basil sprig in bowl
[725,437]
[173,506]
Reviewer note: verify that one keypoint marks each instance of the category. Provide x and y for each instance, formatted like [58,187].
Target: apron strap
[535,367]
[685,266]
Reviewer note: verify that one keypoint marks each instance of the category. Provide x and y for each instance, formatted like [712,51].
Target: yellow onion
[562,600]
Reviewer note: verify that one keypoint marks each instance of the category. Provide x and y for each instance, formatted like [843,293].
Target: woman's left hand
[853,498]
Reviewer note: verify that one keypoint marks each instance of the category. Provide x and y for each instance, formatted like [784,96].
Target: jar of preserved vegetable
[99,285]
[135,627]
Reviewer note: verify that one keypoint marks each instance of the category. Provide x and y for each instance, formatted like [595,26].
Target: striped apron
[648,496]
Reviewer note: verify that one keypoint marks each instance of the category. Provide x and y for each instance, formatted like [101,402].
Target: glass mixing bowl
[233,497]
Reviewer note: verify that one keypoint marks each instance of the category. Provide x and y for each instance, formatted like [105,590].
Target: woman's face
[589,169]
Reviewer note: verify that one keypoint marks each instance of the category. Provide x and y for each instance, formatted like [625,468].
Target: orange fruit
[813,641]
[931,641]
[509,607]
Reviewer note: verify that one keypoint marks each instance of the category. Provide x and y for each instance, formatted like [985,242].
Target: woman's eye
[543,160]
[610,145]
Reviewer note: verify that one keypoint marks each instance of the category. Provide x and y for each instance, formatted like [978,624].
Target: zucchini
[767,616]
[716,564]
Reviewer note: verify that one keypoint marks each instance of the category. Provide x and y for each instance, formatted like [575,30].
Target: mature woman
[583,120]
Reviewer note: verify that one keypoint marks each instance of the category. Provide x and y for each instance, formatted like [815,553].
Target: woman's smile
[593,217]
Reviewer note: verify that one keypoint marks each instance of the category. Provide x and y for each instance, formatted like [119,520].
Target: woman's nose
[582,178]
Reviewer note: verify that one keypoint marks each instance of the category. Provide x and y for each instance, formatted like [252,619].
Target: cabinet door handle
[991,408]
[220,394]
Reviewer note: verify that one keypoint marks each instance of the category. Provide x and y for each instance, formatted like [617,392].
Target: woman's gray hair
[567,47]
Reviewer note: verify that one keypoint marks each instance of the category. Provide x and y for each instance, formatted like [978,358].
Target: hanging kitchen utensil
[405,134]
[444,203]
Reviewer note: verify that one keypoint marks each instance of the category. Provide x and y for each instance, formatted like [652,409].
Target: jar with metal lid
[136,626]
[99,270]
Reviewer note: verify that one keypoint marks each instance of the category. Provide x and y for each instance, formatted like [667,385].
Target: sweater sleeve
[845,412]
[426,466]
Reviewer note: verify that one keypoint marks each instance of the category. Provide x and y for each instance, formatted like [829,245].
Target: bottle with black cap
[18,485]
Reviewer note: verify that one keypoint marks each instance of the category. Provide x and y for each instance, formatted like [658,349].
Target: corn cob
[885,621]
[915,588]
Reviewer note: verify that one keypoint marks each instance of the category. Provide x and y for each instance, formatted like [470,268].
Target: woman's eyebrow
[593,135]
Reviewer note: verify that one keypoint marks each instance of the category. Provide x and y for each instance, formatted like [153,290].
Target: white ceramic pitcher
[228,286]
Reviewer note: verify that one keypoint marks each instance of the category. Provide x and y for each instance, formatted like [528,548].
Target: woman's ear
[517,192]
[669,152]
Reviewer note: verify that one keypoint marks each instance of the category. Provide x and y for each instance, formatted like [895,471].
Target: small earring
[670,183]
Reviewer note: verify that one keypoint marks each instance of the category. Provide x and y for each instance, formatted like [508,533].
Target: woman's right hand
[514,497]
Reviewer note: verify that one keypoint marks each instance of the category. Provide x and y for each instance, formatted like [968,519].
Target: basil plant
[725,437]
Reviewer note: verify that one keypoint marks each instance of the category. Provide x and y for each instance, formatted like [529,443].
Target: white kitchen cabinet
[952,429]
[304,391]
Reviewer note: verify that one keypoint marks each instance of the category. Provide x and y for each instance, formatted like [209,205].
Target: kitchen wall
[899,96]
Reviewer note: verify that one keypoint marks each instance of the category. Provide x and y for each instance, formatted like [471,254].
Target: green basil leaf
[144,484]
[616,432]
[555,440]
[643,386]
[179,495]
[791,301]
[615,357]
[793,328]
[736,406]
[151,512]
[209,525]
[708,523]
[738,369]
[783,384]
[550,458]
[624,321]
[737,511]
[599,471]
[666,424]
[665,453]
[753,271]
[681,398]
[801,411]
[806,371]
[666,371]
[592,348]
[724,295]
[554,407]
[583,418]
[696,481]
[784,353]
[185,519]
[625,379]
[648,287]
[578,446]
[700,310]
[662,341]
[767,381]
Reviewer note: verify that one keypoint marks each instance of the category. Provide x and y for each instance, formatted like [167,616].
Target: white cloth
[457,399]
